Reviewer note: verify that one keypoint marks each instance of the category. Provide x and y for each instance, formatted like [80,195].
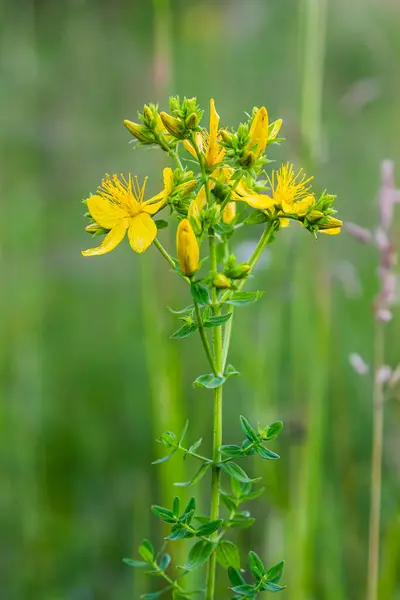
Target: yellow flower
[331,228]
[208,142]
[187,248]
[258,133]
[275,127]
[119,206]
[331,231]
[244,194]
[290,190]
[229,213]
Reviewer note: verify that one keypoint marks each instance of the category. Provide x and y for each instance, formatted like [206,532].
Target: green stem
[204,338]
[217,427]
[376,468]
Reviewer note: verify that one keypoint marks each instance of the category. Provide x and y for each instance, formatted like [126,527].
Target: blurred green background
[89,377]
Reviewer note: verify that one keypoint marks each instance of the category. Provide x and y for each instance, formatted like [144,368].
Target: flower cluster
[232,162]
[228,189]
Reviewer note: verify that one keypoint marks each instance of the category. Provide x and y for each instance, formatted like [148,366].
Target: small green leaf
[184,331]
[184,431]
[165,562]
[256,217]
[163,513]
[275,573]
[247,590]
[161,224]
[235,577]
[178,533]
[240,522]
[228,554]
[233,470]
[229,501]
[198,555]
[247,429]
[255,495]
[209,381]
[209,528]
[230,371]
[269,586]
[199,474]
[256,565]
[176,507]
[268,454]
[190,508]
[217,320]
[163,459]
[231,451]
[146,551]
[134,563]
[194,446]
[183,311]
[224,229]
[273,430]
[199,293]
[244,298]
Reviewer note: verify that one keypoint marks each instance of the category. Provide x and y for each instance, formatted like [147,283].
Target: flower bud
[211,214]
[194,216]
[140,132]
[96,229]
[192,121]
[187,248]
[186,187]
[172,125]
[333,223]
[239,271]
[314,215]
[226,136]
[147,112]
[248,158]
[229,212]
[168,439]
[221,281]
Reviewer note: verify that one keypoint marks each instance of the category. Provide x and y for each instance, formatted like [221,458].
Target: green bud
[239,272]
[192,121]
[148,113]
[221,281]
[168,439]
[226,136]
[140,132]
[248,158]
[172,124]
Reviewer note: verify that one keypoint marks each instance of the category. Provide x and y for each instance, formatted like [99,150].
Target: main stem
[376,468]
[217,427]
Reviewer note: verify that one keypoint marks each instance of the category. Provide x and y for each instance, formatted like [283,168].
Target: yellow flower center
[288,187]
[126,194]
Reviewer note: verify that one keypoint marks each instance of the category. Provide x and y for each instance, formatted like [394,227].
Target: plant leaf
[275,573]
[256,565]
[247,429]
[209,381]
[198,475]
[231,451]
[244,298]
[228,554]
[233,470]
[161,224]
[268,454]
[235,577]
[198,555]
[247,590]
[209,528]
[273,430]
[134,563]
[184,331]
[146,551]
[163,513]
[217,320]
[199,293]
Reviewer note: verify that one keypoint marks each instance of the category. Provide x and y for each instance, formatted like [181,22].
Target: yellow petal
[112,239]
[259,131]
[259,201]
[229,213]
[302,206]
[213,149]
[201,199]
[155,203]
[332,231]
[107,214]
[275,127]
[284,222]
[189,148]
[187,248]
[168,176]
[141,232]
